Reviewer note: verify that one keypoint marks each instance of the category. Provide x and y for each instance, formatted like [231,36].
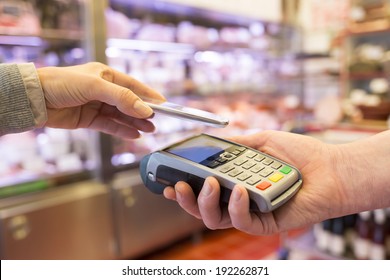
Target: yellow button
[276,177]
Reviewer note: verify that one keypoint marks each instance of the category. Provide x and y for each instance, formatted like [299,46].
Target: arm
[337,180]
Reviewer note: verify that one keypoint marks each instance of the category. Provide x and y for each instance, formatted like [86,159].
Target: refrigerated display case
[36,35]
[236,67]
[50,199]
[60,197]
[209,60]
[243,68]
[48,33]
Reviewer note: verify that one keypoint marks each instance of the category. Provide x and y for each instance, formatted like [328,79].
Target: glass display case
[50,199]
[238,67]
[47,33]
[241,68]
[57,187]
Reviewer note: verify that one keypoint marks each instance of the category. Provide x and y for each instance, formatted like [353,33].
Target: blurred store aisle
[227,244]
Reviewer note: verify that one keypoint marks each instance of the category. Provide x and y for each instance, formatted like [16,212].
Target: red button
[263,185]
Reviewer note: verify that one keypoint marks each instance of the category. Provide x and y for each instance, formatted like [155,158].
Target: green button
[285,169]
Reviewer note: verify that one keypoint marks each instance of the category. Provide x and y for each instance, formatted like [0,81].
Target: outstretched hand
[98,97]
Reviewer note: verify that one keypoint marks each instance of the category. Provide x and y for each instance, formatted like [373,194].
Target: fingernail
[206,189]
[142,109]
[237,194]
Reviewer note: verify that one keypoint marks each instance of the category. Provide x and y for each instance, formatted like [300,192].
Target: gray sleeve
[18,110]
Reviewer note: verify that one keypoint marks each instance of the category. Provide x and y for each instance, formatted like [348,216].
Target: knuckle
[103,70]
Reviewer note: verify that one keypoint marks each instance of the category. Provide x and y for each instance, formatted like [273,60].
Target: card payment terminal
[270,182]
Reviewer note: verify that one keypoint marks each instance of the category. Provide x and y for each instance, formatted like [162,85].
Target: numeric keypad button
[266,172]
[248,165]
[235,172]
[257,168]
[226,168]
[254,180]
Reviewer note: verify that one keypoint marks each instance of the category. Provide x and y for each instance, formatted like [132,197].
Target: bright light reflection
[208,57]
[121,159]
[113,52]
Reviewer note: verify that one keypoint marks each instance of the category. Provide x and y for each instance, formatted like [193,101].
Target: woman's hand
[98,97]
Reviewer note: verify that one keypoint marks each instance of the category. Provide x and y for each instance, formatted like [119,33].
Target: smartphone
[270,182]
[189,113]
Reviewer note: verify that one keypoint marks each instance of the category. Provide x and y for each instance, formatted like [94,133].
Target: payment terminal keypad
[250,167]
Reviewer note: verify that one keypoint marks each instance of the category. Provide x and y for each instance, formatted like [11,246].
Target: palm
[73,117]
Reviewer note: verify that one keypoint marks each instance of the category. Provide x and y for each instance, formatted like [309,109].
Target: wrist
[362,167]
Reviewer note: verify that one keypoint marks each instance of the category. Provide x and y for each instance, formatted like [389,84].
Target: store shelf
[63,35]
[365,50]
[375,27]
[366,76]
[178,11]
[187,49]
[46,38]
[150,46]
[21,40]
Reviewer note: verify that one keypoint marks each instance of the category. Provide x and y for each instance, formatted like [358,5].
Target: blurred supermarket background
[315,67]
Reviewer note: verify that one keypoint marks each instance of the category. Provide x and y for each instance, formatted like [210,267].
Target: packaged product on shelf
[337,242]
[367,59]
[363,238]
[387,242]
[21,151]
[70,16]
[119,25]
[349,232]
[199,36]
[18,18]
[156,32]
[238,36]
[322,234]
[379,86]
[58,14]
[369,15]
[378,246]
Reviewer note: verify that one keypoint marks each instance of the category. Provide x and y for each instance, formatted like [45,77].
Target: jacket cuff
[34,93]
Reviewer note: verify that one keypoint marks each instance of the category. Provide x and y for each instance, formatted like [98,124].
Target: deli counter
[77,194]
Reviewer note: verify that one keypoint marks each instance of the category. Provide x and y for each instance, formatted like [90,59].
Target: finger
[140,124]
[244,220]
[253,140]
[108,118]
[109,126]
[124,99]
[143,91]
[239,209]
[213,216]
[169,193]
[186,199]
